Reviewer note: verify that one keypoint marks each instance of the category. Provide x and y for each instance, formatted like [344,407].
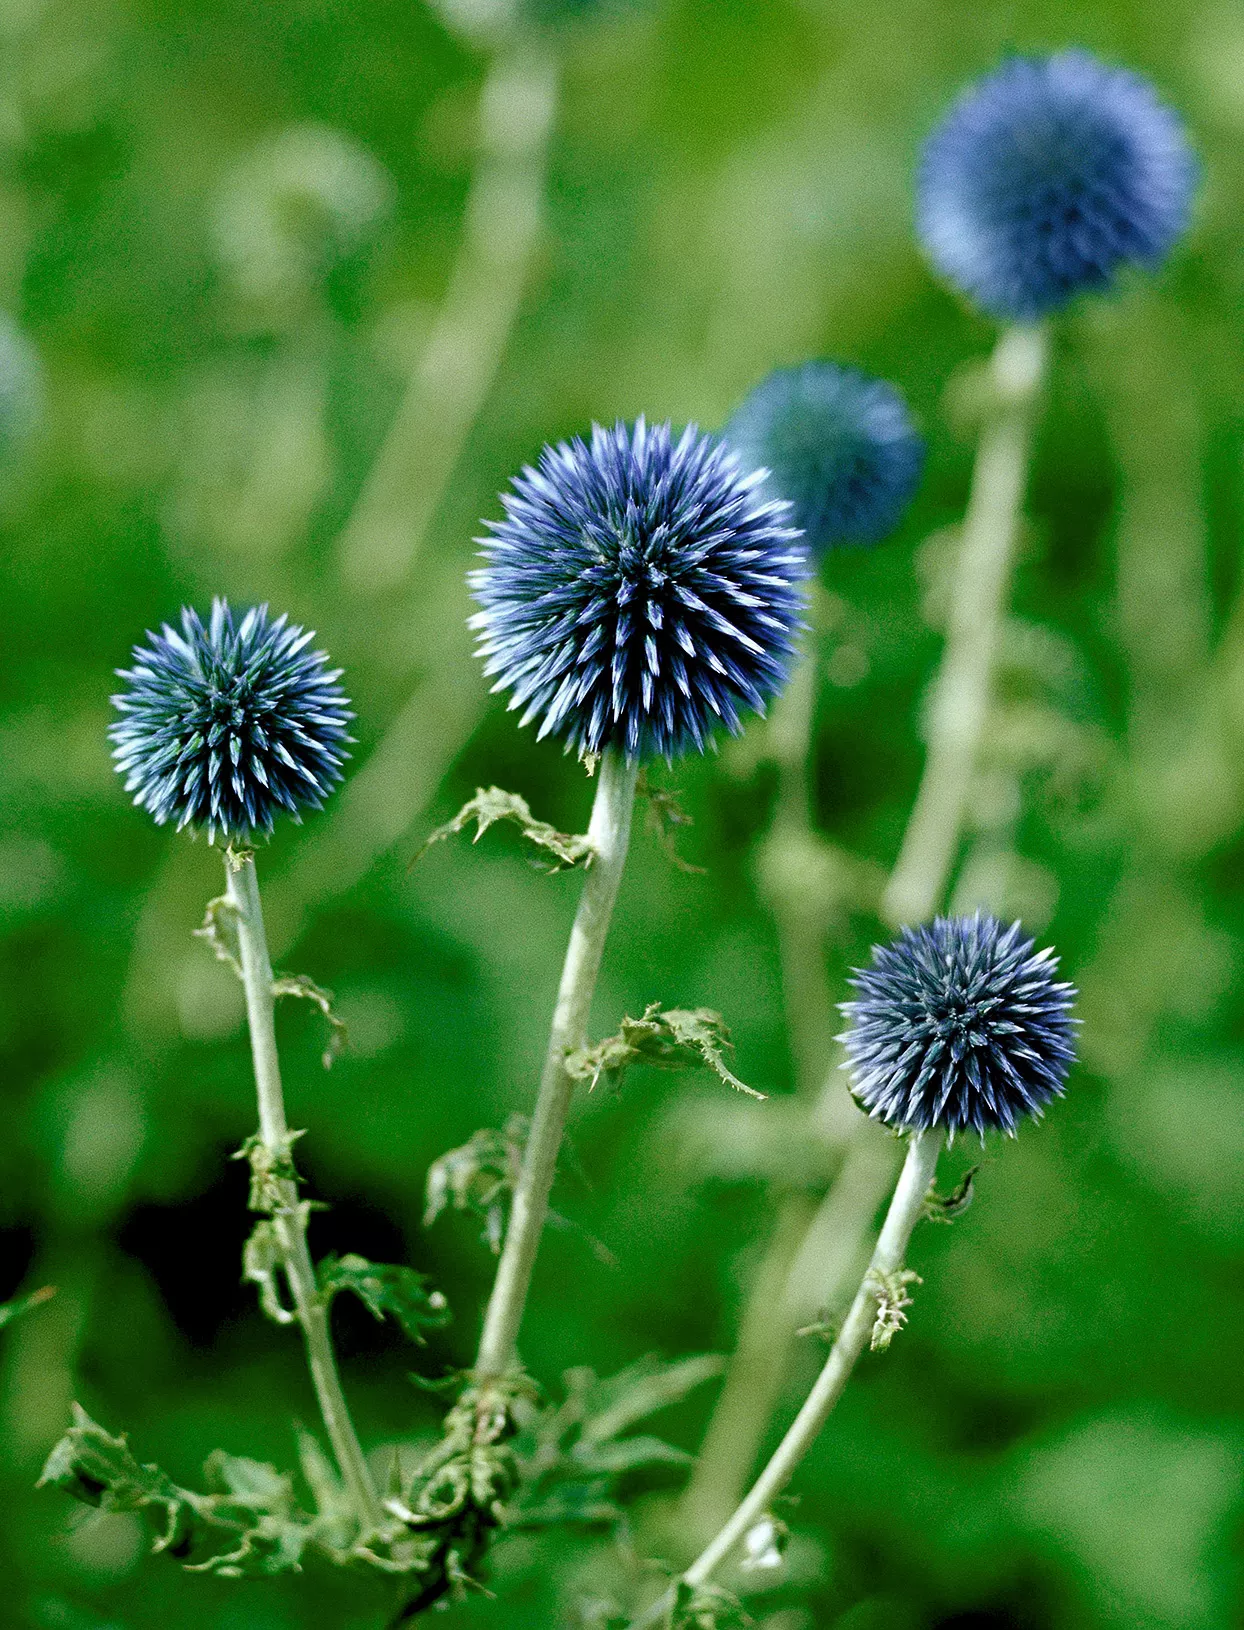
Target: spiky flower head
[960,1024]
[838,443]
[1048,176]
[225,726]
[639,593]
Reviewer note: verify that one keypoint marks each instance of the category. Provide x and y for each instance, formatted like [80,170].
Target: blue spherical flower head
[639,593]
[838,443]
[225,726]
[1047,177]
[958,1025]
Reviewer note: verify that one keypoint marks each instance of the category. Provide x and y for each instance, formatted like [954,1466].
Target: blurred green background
[231,232]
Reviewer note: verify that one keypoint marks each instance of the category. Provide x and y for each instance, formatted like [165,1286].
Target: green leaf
[307,990]
[665,818]
[250,1509]
[263,1259]
[99,1469]
[386,1289]
[946,1207]
[662,1036]
[493,804]
[478,1177]
[573,1455]
[614,1405]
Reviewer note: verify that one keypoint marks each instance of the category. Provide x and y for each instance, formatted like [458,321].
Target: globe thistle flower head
[838,443]
[959,1024]
[640,592]
[1048,176]
[225,726]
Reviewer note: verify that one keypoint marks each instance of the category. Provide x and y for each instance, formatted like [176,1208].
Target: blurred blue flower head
[1048,176]
[639,593]
[838,443]
[958,1025]
[225,726]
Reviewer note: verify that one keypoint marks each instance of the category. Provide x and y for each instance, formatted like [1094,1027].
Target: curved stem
[913,1185]
[609,833]
[960,702]
[290,1217]
[449,382]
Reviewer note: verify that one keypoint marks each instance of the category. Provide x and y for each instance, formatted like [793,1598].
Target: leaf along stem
[609,835]
[906,1208]
[290,1217]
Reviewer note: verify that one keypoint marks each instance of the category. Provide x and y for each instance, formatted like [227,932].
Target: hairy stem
[290,1217]
[978,598]
[450,381]
[609,833]
[914,1182]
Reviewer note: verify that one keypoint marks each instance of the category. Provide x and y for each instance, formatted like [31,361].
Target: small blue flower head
[1048,176]
[959,1024]
[224,727]
[639,593]
[839,444]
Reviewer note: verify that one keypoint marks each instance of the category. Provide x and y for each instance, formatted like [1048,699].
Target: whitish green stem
[914,1183]
[978,598]
[290,1217]
[450,381]
[609,833]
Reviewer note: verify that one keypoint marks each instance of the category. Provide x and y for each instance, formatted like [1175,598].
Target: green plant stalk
[959,707]
[906,1207]
[916,889]
[449,383]
[290,1218]
[609,834]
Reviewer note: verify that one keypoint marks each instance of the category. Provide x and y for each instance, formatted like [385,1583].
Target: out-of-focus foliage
[225,233]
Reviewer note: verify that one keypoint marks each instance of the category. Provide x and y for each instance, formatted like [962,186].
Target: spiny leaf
[613,1405]
[946,1207]
[662,1036]
[263,1258]
[478,1176]
[890,1289]
[272,1172]
[574,1454]
[385,1288]
[493,804]
[307,990]
[220,931]
[100,1470]
[664,819]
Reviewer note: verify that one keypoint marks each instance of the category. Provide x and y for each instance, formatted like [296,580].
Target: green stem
[914,1182]
[290,1217]
[978,599]
[609,833]
[450,381]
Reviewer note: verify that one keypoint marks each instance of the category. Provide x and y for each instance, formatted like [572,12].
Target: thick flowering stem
[609,834]
[915,1180]
[290,1217]
[978,598]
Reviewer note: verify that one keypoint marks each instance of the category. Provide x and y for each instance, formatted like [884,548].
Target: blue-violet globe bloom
[838,443]
[1046,177]
[227,725]
[959,1024]
[640,592]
